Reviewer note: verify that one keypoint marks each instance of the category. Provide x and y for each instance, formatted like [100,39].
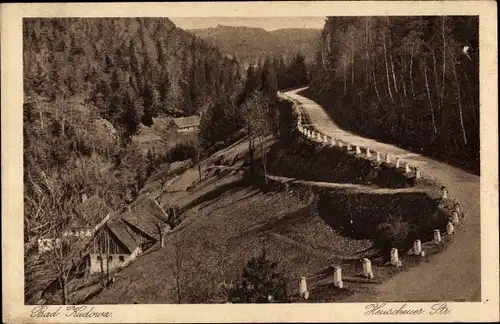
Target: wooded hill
[147,62]
[251,45]
[86,78]
[90,83]
[412,81]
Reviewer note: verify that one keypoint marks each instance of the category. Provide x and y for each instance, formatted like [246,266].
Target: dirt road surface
[454,274]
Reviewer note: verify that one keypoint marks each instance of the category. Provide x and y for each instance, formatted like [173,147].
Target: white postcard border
[14,309]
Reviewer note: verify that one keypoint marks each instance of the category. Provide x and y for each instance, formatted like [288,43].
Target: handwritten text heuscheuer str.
[404,309]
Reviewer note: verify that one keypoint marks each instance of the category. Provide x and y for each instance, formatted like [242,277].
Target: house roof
[183,122]
[127,237]
[161,123]
[146,223]
[145,214]
[147,205]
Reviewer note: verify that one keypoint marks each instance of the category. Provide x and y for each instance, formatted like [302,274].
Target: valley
[240,165]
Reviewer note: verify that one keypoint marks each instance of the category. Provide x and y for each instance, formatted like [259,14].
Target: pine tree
[151,102]
[261,282]
[131,114]
[269,80]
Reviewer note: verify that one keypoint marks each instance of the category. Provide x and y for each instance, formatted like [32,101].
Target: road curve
[454,274]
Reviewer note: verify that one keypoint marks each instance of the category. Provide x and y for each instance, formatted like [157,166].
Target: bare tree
[259,125]
[443,27]
[387,68]
[67,257]
[184,269]
[424,68]
[56,205]
[459,99]
[176,265]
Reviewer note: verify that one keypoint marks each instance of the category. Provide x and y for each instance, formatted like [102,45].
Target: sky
[267,23]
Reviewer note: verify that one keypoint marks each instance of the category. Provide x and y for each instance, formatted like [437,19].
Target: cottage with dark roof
[125,236]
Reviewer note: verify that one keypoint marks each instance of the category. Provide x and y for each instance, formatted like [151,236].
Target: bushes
[261,282]
[392,233]
[391,220]
[180,152]
[219,122]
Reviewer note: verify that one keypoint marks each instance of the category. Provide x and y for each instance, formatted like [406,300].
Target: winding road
[454,274]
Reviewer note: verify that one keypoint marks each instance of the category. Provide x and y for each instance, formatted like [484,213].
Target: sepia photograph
[252,160]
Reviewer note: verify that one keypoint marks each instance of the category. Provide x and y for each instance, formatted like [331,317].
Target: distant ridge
[249,44]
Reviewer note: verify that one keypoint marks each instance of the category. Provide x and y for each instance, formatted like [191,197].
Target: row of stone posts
[450,226]
[395,258]
[337,278]
[324,139]
[417,245]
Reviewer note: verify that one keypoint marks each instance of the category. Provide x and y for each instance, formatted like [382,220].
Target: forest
[411,81]
[251,45]
[89,84]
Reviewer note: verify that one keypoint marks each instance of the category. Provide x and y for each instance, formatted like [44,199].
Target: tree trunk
[250,145]
[107,260]
[411,75]
[404,85]
[158,229]
[459,103]
[375,84]
[368,49]
[64,290]
[265,168]
[367,74]
[264,160]
[438,99]
[103,283]
[372,65]
[352,65]
[323,60]
[393,73]
[403,69]
[345,77]
[178,266]
[444,59]
[387,70]
[467,82]
[429,96]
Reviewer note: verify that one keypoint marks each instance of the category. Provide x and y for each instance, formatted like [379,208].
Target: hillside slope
[251,44]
